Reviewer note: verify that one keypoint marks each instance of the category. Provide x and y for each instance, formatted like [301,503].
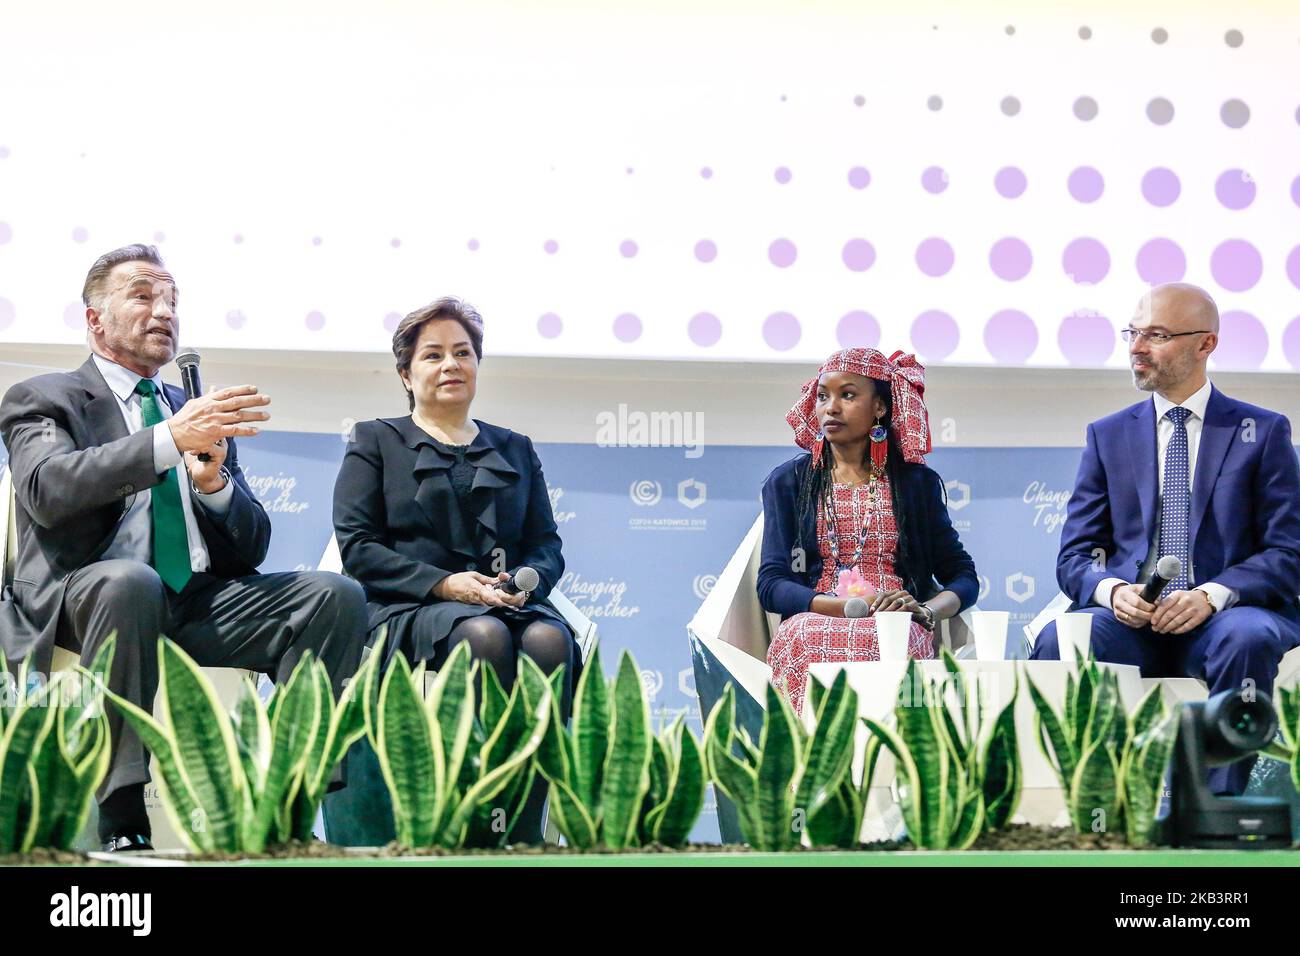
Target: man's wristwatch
[225,478]
[1206,595]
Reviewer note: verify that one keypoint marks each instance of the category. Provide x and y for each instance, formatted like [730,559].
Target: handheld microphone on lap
[524,579]
[1167,568]
[856,607]
[187,360]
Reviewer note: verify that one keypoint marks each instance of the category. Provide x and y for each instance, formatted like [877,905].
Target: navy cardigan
[934,550]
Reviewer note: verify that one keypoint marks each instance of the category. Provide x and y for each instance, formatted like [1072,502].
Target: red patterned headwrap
[906,378]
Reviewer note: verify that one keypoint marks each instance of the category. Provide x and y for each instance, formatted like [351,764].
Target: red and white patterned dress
[810,638]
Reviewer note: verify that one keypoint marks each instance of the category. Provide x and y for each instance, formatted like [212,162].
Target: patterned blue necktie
[1176,498]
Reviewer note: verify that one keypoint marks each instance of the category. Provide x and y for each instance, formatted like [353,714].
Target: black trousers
[262,623]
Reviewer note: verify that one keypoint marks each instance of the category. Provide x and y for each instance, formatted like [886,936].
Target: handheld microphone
[1167,568]
[524,579]
[856,607]
[187,360]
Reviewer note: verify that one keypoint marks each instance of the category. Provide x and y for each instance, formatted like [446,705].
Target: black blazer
[935,551]
[401,530]
[75,470]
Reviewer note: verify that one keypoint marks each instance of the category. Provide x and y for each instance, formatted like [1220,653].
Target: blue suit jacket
[1245,509]
[936,551]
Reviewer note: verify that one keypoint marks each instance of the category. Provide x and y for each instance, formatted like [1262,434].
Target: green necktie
[171,546]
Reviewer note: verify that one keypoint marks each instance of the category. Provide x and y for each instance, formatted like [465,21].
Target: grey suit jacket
[75,469]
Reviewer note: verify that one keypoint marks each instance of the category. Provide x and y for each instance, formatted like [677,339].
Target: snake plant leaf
[829,755]
[684,800]
[1149,711]
[969,818]
[1049,730]
[406,756]
[733,777]
[1106,712]
[778,774]
[178,798]
[1094,789]
[365,683]
[590,733]
[536,684]
[627,766]
[23,736]
[252,736]
[88,772]
[571,817]
[317,768]
[922,730]
[748,749]
[54,775]
[661,769]
[1144,775]
[192,716]
[451,705]
[294,727]
[816,694]
[832,824]
[1287,704]
[494,700]
[999,767]
[909,779]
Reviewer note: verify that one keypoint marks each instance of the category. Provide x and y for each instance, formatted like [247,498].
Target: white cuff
[166,455]
[1220,596]
[217,503]
[1102,594]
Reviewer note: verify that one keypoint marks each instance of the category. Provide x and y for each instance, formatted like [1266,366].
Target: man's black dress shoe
[127,843]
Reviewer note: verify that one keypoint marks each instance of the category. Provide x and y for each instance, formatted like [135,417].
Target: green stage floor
[1079,858]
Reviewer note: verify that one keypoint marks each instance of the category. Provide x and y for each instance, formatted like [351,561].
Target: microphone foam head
[187,357]
[1169,567]
[855,607]
[526,579]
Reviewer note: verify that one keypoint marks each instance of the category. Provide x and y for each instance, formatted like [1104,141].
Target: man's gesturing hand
[223,414]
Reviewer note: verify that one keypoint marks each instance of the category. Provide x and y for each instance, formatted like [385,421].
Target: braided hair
[815,484]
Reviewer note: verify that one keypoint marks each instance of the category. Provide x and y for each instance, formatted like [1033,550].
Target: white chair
[1175,689]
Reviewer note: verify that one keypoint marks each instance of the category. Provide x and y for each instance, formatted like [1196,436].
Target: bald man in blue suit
[1193,473]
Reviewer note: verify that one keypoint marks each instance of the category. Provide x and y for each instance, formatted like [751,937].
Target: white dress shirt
[1221,597]
[134,538]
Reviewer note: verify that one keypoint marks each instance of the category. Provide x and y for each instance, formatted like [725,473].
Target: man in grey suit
[123,529]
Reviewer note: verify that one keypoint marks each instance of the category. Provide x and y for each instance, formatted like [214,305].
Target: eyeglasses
[1155,338]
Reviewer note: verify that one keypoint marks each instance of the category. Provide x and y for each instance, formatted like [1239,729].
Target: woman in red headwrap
[859,515]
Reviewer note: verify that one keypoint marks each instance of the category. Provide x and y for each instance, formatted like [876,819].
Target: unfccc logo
[653,682]
[703,584]
[1020,587]
[645,493]
[958,495]
[692,493]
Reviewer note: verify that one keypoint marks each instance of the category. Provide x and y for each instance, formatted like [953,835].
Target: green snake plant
[1111,765]
[613,782]
[1287,703]
[792,781]
[54,753]
[242,781]
[457,774]
[958,775]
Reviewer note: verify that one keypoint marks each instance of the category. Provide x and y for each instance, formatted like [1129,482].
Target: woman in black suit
[434,510]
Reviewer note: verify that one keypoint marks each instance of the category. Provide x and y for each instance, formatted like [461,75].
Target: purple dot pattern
[935,335]
[706,172]
[782,253]
[80,234]
[1086,184]
[704,329]
[549,326]
[860,178]
[1293,267]
[1086,338]
[1160,186]
[627,249]
[239,239]
[550,247]
[395,242]
[782,175]
[1295,191]
[857,330]
[391,321]
[934,180]
[627,327]
[1161,260]
[160,237]
[706,250]
[316,240]
[1010,182]
[315,321]
[1010,259]
[934,257]
[4,152]
[7,313]
[1235,189]
[1291,343]
[1236,265]
[858,255]
[781,331]
[1086,261]
[74,316]
[236,319]
[1243,341]
[473,245]
[6,233]
[1010,336]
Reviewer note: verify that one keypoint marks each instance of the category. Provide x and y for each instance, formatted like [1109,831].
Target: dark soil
[44,857]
